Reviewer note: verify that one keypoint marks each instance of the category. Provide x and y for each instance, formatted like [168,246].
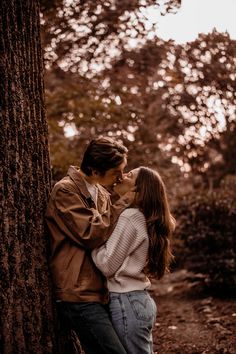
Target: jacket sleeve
[86,226]
[123,240]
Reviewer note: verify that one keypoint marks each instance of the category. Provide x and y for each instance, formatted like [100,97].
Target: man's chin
[109,187]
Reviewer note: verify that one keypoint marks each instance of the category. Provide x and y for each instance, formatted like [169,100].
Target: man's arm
[86,226]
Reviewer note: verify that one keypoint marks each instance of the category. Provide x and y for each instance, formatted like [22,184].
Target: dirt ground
[190,321]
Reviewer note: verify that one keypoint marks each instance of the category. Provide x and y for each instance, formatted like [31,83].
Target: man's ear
[95,173]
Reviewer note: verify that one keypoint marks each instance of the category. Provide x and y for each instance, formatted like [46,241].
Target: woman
[138,247]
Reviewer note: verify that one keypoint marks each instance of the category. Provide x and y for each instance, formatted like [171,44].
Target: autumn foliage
[173,106]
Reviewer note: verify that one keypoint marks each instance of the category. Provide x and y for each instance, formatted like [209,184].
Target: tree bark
[26,323]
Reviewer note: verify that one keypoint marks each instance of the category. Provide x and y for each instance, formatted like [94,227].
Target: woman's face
[128,182]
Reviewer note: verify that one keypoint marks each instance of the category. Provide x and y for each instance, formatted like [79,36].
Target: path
[189,322]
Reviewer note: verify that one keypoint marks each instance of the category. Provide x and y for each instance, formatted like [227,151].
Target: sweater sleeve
[109,257]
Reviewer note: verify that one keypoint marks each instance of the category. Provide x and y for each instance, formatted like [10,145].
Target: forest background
[105,71]
[173,106]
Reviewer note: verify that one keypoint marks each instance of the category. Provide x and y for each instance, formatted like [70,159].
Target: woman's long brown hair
[152,200]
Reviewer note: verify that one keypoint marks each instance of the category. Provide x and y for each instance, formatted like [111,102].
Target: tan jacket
[76,227]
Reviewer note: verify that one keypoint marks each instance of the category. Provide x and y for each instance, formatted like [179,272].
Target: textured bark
[26,323]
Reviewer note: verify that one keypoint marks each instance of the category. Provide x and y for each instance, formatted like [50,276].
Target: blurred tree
[86,35]
[166,102]
[79,96]
[26,324]
[108,73]
[79,108]
[200,100]
[185,100]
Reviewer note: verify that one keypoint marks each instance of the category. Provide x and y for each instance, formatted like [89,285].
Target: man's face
[113,175]
[128,183]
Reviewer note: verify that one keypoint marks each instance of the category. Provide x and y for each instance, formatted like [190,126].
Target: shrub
[206,224]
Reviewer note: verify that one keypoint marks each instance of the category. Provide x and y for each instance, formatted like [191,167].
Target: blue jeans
[133,316]
[93,326]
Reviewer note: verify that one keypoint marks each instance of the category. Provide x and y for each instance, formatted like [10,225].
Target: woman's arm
[123,241]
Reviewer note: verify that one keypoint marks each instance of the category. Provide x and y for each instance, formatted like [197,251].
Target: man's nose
[120,177]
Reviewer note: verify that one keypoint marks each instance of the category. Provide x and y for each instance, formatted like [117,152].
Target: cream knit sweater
[122,258]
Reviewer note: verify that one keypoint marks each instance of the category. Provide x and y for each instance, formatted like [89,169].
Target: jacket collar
[77,178]
[75,175]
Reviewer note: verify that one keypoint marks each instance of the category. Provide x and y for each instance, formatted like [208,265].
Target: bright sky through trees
[196,16]
[193,17]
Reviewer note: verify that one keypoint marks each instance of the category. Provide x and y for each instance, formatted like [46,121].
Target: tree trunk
[26,323]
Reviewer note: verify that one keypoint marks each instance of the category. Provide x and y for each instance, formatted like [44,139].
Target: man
[81,217]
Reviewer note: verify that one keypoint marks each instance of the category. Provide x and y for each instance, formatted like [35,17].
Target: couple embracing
[103,253]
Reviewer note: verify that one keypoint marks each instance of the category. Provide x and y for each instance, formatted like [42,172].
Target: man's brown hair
[101,155]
